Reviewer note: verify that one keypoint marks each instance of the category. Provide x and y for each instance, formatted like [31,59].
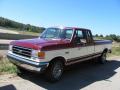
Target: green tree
[101,35]
[19,26]
[96,35]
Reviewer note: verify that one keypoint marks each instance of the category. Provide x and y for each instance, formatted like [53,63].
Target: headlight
[10,47]
[38,54]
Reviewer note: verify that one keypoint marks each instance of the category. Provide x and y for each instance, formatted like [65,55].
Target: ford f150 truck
[55,48]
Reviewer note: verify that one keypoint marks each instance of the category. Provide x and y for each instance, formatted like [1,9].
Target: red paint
[47,45]
[42,44]
[74,28]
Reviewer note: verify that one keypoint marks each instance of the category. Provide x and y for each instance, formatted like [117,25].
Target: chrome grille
[22,51]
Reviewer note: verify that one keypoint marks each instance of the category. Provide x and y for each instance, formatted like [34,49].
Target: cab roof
[69,28]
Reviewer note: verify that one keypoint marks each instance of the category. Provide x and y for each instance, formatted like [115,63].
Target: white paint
[75,52]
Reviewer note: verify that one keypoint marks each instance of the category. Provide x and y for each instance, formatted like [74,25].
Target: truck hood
[39,43]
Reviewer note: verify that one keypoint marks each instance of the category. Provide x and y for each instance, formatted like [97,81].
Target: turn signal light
[41,55]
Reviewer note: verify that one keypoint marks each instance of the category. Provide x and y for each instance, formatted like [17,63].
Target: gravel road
[83,76]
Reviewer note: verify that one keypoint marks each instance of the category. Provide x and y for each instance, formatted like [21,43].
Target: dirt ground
[83,76]
[2,30]
[3,53]
[3,41]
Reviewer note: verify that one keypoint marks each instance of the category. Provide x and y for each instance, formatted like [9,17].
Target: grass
[28,33]
[6,67]
[115,50]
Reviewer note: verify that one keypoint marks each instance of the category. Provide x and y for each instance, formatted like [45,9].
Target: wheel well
[105,50]
[59,58]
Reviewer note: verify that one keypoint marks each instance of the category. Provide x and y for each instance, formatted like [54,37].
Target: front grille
[22,51]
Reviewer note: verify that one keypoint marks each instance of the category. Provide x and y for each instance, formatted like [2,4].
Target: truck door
[80,49]
[90,43]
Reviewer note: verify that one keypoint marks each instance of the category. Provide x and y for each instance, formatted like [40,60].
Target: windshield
[56,33]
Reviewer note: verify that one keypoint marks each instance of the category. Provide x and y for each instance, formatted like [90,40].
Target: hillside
[6,30]
[7,23]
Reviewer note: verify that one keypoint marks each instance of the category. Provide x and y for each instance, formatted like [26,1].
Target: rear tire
[103,58]
[54,71]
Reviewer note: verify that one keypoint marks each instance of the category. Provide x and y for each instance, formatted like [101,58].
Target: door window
[80,37]
[89,37]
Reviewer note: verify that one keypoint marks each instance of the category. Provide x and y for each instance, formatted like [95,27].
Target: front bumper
[27,63]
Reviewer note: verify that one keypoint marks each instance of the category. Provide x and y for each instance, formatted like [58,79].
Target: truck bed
[102,41]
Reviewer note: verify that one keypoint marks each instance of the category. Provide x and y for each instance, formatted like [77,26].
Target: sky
[101,16]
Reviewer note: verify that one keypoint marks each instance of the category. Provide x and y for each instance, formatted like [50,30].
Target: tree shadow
[8,87]
[77,76]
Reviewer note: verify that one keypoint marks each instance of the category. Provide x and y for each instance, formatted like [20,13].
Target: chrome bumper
[27,63]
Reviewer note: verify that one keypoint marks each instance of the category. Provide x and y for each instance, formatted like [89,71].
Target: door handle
[79,48]
[66,52]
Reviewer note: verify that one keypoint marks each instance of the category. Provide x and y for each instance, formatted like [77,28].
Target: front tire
[54,71]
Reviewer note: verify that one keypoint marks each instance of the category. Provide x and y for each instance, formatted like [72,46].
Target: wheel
[54,71]
[103,58]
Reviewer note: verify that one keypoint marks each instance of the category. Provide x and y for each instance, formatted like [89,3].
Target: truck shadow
[77,76]
[8,87]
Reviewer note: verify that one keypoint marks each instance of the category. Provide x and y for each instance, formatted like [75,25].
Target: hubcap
[57,71]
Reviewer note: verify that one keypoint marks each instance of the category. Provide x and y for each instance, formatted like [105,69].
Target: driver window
[80,38]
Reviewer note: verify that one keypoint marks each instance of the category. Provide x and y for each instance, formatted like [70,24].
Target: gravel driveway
[83,76]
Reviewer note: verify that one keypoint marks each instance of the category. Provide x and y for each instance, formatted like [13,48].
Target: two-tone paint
[60,48]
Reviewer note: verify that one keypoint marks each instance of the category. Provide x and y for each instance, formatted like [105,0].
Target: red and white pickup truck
[55,48]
